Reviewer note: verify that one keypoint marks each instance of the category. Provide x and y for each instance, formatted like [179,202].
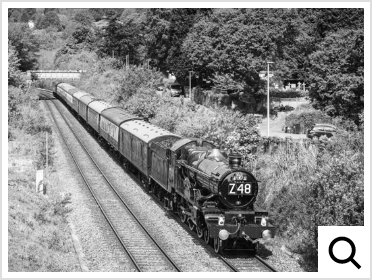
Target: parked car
[175,89]
[321,129]
[282,108]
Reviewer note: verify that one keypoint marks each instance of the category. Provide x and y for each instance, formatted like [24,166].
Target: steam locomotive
[209,190]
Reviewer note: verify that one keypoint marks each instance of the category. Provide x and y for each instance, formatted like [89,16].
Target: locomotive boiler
[224,194]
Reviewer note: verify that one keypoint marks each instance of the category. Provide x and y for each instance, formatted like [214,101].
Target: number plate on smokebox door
[240,188]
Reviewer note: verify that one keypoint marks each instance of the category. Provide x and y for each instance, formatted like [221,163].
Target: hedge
[306,118]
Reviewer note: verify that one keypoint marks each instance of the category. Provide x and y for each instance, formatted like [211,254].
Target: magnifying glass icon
[348,259]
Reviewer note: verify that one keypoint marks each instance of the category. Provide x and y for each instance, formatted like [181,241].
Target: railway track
[142,249]
[45,94]
[246,263]
[236,263]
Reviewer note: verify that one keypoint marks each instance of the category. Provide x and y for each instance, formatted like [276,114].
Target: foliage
[226,82]
[48,39]
[83,60]
[14,75]
[50,19]
[47,10]
[122,38]
[82,39]
[287,93]
[14,15]
[144,104]
[25,45]
[331,20]
[27,14]
[136,78]
[321,184]
[97,13]
[337,70]
[64,21]
[237,42]
[24,113]
[21,15]
[83,18]
[69,29]
[165,32]
[306,118]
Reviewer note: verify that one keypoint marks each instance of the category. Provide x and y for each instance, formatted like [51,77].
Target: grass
[38,233]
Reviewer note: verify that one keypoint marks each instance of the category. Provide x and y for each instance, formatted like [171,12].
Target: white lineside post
[39,180]
[127,60]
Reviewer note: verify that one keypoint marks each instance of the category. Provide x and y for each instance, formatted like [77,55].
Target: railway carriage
[83,106]
[66,91]
[138,139]
[75,100]
[94,112]
[110,121]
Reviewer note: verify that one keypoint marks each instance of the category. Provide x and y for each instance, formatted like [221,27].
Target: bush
[83,18]
[50,19]
[321,183]
[306,118]
[48,40]
[83,60]
[137,77]
[144,104]
[291,93]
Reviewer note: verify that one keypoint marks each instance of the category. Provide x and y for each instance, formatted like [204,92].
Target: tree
[24,17]
[336,77]
[50,19]
[14,75]
[97,13]
[84,18]
[123,38]
[47,10]
[166,30]
[25,44]
[83,38]
[14,15]
[238,42]
[331,20]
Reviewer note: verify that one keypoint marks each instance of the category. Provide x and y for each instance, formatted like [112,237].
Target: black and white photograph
[209,138]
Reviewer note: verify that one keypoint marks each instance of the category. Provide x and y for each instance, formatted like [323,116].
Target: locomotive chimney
[235,160]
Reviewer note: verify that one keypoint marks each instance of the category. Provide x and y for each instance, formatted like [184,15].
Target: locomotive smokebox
[235,160]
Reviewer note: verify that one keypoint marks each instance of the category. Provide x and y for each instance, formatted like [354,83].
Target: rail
[135,263]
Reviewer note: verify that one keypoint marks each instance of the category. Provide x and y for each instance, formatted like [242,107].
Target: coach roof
[99,105]
[79,94]
[86,99]
[145,131]
[117,116]
[65,86]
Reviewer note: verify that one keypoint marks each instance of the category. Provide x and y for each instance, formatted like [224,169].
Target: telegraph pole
[47,161]
[190,72]
[268,97]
